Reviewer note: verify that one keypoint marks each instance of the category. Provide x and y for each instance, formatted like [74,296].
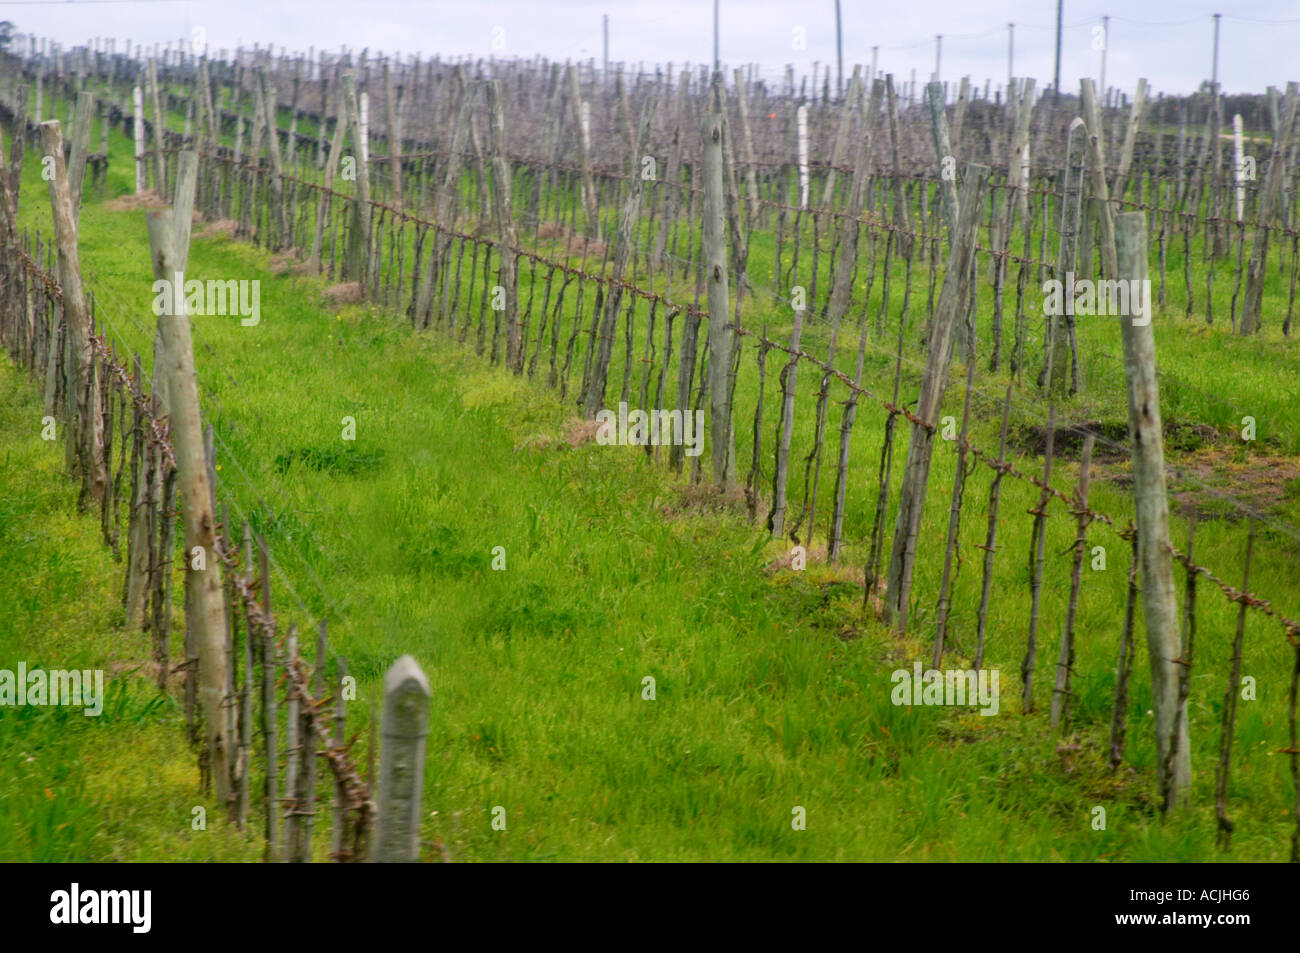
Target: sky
[1170,42]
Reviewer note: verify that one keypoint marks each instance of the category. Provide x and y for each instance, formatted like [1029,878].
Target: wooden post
[87,429]
[801,130]
[952,305]
[1238,153]
[1065,660]
[842,135]
[292,753]
[673,180]
[448,198]
[954,508]
[137,579]
[584,156]
[1269,197]
[789,380]
[1057,349]
[18,146]
[747,146]
[959,114]
[246,697]
[943,151]
[1036,547]
[1130,138]
[401,765]
[1097,175]
[841,292]
[624,256]
[80,149]
[212,135]
[307,776]
[339,837]
[1119,711]
[359,252]
[721,437]
[394,136]
[901,233]
[991,536]
[1159,605]
[324,199]
[270,720]
[204,603]
[159,129]
[1228,720]
[266,90]
[506,240]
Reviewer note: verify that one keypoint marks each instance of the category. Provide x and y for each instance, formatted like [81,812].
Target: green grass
[119,786]
[772,687]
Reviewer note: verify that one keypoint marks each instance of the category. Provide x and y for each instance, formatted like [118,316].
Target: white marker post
[1238,166]
[137,122]
[365,129]
[801,124]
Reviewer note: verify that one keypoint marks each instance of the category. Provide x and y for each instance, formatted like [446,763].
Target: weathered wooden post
[292,753]
[1238,154]
[505,224]
[1228,720]
[87,428]
[311,710]
[359,248]
[363,117]
[747,145]
[721,437]
[1130,139]
[789,382]
[266,89]
[205,604]
[339,836]
[943,150]
[394,135]
[624,258]
[952,304]
[270,720]
[401,763]
[80,150]
[246,694]
[1097,179]
[1269,198]
[1159,605]
[841,293]
[850,106]
[1057,345]
[801,127]
[584,155]
[137,578]
[1061,694]
[323,199]
[137,123]
[159,131]
[446,204]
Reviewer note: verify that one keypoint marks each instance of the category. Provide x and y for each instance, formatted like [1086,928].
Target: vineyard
[333,349]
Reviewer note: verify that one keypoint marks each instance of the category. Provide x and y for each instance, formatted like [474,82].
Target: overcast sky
[1171,44]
